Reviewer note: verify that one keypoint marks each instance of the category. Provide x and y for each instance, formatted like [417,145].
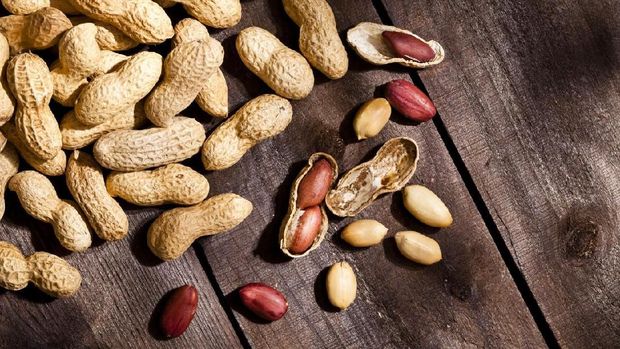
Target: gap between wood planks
[515,272]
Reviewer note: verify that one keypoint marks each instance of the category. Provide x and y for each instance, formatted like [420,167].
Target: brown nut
[409,100]
[306,223]
[371,118]
[387,172]
[315,184]
[426,206]
[264,301]
[307,229]
[408,46]
[341,285]
[364,233]
[179,311]
[417,247]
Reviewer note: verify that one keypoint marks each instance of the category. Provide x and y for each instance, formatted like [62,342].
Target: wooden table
[525,151]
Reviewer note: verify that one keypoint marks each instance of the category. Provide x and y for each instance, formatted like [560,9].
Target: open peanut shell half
[295,213]
[367,40]
[387,172]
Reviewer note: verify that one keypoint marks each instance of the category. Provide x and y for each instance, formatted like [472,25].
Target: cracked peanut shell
[389,171]
[294,214]
[367,41]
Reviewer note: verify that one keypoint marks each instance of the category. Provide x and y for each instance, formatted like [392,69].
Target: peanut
[263,117]
[364,233]
[53,167]
[142,20]
[315,184]
[9,163]
[417,247]
[7,104]
[49,273]
[264,301]
[284,70]
[185,69]
[68,85]
[31,83]
[108,37]
[175,230]
[409,100]
[170,184]
[319,41]
[341,285]
[213,97]
[134,150]
[408,46]
[76,135]
[117,91]
[179,311]
[79,55]
[25,7]
[305,231]
[371,118]
[426,207]
[37,31]
[383,44]
[389,171]
[39,199]
[305,223]
[86,183]
[213,13]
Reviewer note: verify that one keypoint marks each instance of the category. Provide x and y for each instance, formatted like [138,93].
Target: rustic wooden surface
[525,155]
[529,95]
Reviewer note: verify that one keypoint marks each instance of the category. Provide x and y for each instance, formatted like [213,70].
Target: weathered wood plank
[529,94]
[122,285]
[469,299]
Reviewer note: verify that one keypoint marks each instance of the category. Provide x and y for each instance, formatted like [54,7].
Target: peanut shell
[213,98]
[214,13]
[175,230]
[367,40]
[76,135]
[284,70]
[142,20]
[134,150]
[186,67]
[170,184]
[389,171]
[7,103]
[114,92]
[52,167]
[86,183]
[262,117]
[319,41]
[108,37]
[37,31]
[288,227]
[9,163]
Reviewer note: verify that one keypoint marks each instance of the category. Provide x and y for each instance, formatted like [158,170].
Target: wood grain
[529,94]
[469,299]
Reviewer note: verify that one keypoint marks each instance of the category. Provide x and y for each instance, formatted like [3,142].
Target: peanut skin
[175,230]
[315,185]
[408,46]
[307,229]
[409,100]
